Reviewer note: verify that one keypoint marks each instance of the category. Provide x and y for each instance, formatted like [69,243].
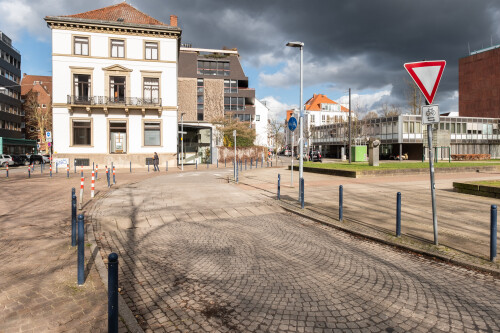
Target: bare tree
[37,117]
[413,97]
[391,110]
[276,133]
[371,115]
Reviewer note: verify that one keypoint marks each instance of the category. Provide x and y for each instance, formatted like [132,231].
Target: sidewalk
[38,279]
[370,210]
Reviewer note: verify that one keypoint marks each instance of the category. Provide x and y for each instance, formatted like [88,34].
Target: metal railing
[104,100]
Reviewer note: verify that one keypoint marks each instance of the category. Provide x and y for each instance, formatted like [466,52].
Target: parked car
[46,158]
[6,160]
[304,157]
[21,160]
[287,152]
[315,156]
[36,159]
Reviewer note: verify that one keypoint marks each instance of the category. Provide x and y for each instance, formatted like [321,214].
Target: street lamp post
[301,118]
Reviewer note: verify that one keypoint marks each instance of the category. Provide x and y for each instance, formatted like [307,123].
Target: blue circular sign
[292,124]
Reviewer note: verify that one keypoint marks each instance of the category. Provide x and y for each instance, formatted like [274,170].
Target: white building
[114,86]
[261,124]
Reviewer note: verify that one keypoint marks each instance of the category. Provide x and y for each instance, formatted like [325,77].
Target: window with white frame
[117,48]
[151,90]
[151,51]
[230,86]
[81,45]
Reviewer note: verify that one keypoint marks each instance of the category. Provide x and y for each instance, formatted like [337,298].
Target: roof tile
[122,11]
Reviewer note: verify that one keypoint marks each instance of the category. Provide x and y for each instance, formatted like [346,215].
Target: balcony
[105,103]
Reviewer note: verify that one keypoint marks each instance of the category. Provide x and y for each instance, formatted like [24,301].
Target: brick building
[36,93]
[479,83]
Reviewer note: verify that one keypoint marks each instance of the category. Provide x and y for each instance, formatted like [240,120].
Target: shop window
[152,133]
[82,132]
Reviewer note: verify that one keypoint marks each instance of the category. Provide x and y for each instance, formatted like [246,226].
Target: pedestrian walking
[156,162]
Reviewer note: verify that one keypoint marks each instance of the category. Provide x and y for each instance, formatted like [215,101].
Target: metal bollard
[50,170]
[341,203]
[107,176]
[113,293]
[81,170]
[493,233]
[93,166]
[279,186]
[261,162]
[7,169]
[29,172]
[302,193]
[217,163]
[130,165]
[96,170]
[41,168]
[241,165]
[57,168]
[166,166]
[245,165]
[73,217]
[267,164]
[257,163]
[207,163]
[75,166]
[398,215]
[271,164]
[236,172]
[251,163]
[225,163]
[196,162]
[81,251]
[114,172]
[67,170]
[148,165]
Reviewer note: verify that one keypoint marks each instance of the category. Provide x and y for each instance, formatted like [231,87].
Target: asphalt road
[200,255]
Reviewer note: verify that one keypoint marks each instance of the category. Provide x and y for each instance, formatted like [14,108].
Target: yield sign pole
[427,75]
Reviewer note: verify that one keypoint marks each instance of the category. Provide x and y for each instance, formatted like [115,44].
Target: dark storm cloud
[385,34]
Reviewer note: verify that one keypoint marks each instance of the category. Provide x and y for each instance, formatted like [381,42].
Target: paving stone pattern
[209,257]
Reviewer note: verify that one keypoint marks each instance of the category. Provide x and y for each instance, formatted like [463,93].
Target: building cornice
[122,28]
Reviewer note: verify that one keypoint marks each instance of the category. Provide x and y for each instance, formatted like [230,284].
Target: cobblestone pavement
[200,255]
[38,272]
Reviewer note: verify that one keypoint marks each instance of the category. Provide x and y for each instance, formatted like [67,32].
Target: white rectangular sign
[48,136]
[430,114]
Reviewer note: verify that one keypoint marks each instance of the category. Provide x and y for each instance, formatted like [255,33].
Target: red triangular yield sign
[426,75]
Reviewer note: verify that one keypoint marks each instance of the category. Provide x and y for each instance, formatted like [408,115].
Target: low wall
[392,172]
[245,153]
[481,190]
[120,160]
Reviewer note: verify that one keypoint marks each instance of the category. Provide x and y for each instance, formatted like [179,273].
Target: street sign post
[427,75]
[292,125]
[48,138]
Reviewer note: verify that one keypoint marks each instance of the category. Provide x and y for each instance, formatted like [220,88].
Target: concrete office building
[405,134]
[12,138]
[114,86]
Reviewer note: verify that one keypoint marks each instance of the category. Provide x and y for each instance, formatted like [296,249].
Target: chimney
[173,20]
[24,74]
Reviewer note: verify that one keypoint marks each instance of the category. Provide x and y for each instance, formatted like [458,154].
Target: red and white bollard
[81,191]
[7,168]
[92,185]
[114,180]
[50,169]
[96,169]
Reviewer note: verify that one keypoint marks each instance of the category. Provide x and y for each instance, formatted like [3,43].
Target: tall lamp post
[300,45]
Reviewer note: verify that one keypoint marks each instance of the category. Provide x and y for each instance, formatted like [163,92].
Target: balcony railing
[110,101]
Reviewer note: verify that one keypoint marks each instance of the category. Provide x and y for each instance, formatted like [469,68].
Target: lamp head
[295,44]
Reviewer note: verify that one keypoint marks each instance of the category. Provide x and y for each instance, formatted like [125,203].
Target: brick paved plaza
[198,254]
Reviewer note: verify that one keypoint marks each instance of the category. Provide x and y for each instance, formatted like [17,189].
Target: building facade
[479,84]
[36,93]
[11,113]
[261,124]
[211,85]
[405,134]
[114,86]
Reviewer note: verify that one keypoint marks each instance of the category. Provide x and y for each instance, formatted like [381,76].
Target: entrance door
[117,89]
[118,137]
